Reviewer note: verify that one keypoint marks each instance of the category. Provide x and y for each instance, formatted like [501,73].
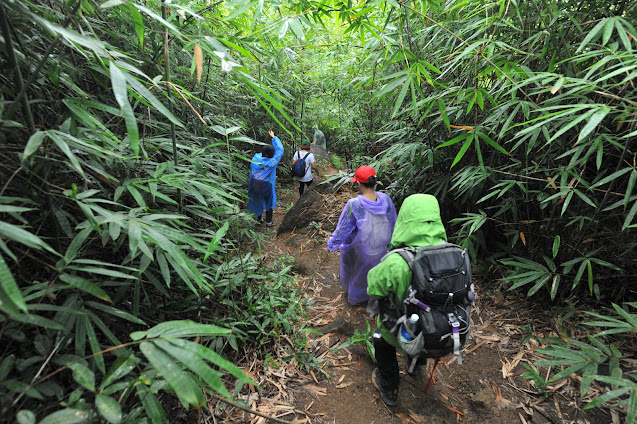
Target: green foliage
[586,357]
[337,161]
[121,214]
[365,338]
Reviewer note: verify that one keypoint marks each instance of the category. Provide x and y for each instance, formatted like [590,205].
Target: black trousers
[303,184]
[268,216]
[387,364]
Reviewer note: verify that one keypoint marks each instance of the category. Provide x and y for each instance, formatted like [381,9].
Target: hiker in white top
[310,163]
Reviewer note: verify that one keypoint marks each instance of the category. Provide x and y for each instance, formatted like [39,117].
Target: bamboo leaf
[462,151]
[139,23]
[593,122]
[109,409]
[15,233]
[10,288]
[66,416]
[34,143]
[86,286]
[172,373]
[556,246]
[592,34]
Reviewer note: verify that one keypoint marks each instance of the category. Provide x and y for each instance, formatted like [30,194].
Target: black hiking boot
[388,396]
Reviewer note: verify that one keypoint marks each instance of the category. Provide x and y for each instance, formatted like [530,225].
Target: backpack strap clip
[455,324]
[411,298]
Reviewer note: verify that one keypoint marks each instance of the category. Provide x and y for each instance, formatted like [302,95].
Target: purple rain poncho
[261,193]
[363,232]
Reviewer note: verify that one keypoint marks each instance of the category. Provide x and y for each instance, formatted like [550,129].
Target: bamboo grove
[125,132]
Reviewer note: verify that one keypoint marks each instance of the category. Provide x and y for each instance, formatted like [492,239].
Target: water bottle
[407,330]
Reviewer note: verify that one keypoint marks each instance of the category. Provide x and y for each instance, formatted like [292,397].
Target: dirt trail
[486,388]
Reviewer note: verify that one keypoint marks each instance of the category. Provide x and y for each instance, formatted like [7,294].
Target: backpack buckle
[453,321]
[455,328]
[411,298]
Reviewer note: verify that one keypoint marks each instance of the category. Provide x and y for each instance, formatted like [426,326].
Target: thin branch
[187,102]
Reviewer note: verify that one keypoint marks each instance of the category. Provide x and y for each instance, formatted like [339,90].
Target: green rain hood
[418,224]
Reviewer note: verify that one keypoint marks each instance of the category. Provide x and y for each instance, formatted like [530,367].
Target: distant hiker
[362,234]
[428,309]
[319,137]
[261,193]
[302,164]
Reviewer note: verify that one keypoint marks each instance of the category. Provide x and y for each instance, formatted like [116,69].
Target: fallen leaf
[342,386]
[198,62]
[316,390]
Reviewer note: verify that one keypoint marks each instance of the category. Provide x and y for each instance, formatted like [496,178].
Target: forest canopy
[125,134]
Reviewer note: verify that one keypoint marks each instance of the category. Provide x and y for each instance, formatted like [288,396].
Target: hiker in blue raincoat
[261,193]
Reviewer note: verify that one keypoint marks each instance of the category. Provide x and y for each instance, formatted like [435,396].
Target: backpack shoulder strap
[306,155]
[410,255]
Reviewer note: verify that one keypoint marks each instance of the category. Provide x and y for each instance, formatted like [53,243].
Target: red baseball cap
[362,174]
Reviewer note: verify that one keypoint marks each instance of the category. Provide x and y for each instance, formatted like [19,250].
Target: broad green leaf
[9,286]
[131,128]
[623,35]
[40,321]
[118,82]
[593,122]
[630,187]
[6,365]
[151,405]
[185,328]
[25,416]
[116,312]
[630,216]
[195,364]
[86,286]
[76,244]
[462,151]
[83,375]
[592,34]
[214,357]
[66,416]
[108,408]
[556,246]
[139,23]
[111,3]
[122,366]
[608,30]
[15,233]
[611,177]
[491,142]
[34,143]
[173,374]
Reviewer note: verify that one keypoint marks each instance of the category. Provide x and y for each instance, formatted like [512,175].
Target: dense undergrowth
[127,266]
[125,133]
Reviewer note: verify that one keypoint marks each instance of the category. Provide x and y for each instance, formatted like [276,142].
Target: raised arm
[278,148]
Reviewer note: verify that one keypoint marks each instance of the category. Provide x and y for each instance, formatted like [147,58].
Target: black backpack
[441,293]
[300,167]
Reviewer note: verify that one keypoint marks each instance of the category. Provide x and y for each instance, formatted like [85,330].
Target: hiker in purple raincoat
[362,234]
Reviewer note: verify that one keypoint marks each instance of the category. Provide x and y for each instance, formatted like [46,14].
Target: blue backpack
[300,167]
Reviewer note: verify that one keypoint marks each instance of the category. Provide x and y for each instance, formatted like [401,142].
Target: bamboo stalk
[173,135]
[22,93]
[13,63]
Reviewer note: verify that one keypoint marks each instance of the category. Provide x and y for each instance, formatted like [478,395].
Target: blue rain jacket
[261,193]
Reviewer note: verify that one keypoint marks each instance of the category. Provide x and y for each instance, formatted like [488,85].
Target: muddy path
[486,388]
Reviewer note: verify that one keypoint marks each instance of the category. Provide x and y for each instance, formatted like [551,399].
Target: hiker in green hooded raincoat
[418,224]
